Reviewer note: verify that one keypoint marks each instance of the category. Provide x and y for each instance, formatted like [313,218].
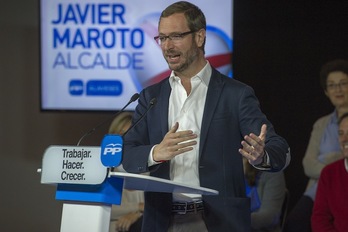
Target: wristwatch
[266,163]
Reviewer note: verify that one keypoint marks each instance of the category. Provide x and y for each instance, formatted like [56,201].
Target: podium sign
[72,165]
[87,188]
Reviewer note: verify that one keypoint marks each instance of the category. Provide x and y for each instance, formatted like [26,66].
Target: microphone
[112,145]
[152,104]
[132,99]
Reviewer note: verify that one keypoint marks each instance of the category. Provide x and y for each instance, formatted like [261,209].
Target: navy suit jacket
[230,112]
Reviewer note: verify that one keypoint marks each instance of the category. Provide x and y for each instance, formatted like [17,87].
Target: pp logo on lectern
[111,150]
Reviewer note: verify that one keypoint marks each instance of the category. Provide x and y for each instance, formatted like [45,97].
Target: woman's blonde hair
[250,173]
[118,124]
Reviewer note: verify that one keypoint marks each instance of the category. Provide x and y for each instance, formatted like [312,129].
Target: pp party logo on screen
[218,50]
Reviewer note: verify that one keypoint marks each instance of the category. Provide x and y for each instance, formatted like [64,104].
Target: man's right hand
[174,143]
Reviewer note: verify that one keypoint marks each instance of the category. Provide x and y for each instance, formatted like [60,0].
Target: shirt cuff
[265,164]
[150,160]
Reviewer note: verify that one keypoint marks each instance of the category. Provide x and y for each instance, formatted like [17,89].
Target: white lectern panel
[154,184]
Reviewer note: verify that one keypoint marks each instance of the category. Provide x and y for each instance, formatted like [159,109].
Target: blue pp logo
[76,87]
[111,150]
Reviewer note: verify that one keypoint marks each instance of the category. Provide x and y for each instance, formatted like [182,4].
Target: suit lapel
[164,103]
[213,96]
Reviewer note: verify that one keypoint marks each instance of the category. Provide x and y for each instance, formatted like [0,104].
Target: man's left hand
[254,146]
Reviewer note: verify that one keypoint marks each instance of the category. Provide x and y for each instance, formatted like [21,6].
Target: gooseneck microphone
[132,99]
[151,104]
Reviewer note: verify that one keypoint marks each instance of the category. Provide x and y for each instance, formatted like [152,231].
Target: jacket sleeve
[251,119]
[137,146]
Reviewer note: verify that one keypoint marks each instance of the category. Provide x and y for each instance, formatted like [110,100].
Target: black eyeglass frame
[160,39]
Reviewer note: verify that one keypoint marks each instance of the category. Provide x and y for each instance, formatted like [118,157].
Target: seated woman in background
[267,193]
[128,215]
[323,147]
[331,206]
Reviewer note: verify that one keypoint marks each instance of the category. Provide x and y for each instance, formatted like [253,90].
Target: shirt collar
[204,75]
[334,118]
[346,164]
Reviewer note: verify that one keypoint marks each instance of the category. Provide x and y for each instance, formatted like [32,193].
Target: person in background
[128,215]
[323,147]
[197,133]
[267,192]
[330,209]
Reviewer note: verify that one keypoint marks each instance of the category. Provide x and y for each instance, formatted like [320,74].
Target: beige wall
[25,132]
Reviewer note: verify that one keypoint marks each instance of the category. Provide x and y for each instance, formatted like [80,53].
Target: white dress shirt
[187,110]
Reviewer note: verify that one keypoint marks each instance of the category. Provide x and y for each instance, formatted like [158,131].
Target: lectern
[88,188]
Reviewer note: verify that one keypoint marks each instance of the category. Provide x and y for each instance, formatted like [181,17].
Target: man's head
[181,35]
[343,134]
[194,16]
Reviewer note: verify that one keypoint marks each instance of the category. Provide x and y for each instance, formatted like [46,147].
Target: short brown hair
[194,16]
[338,65]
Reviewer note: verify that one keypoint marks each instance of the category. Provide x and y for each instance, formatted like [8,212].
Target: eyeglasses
[341,85]
[160,39]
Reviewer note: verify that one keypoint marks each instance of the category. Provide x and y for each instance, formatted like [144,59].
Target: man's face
[179,54]
[343,136]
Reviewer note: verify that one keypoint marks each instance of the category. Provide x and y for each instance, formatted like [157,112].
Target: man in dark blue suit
[202,125]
